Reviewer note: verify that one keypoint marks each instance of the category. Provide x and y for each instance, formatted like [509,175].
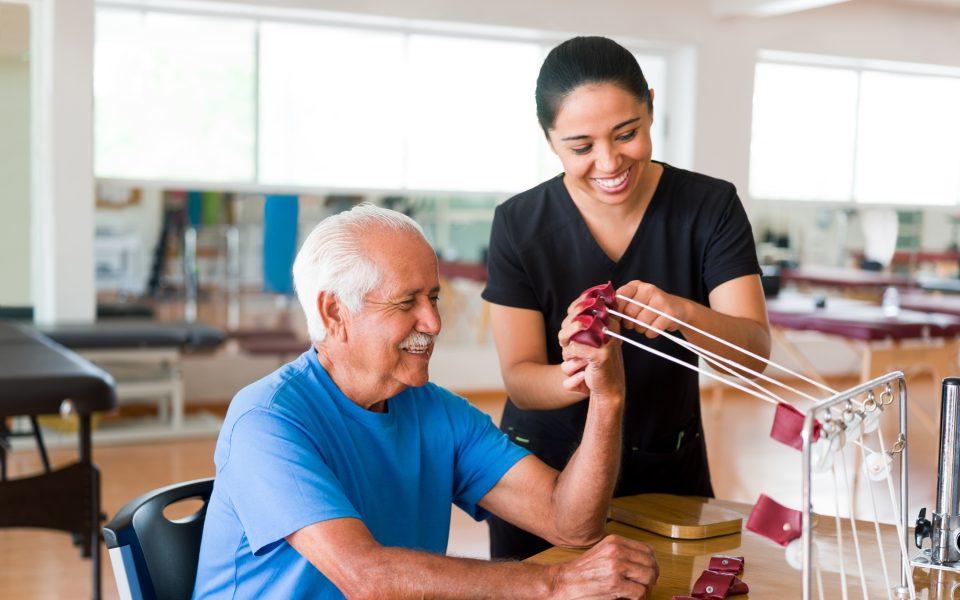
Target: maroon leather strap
[716,586]
[774,521]
[595,307]
[726,564]
[593,314]
[592,332]
[605,292]
[787,425]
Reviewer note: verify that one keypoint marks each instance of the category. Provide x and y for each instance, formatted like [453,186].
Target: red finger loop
[774,521]
[726,564]
[787,425]
[592,332]
[713,585]
[595,307]
[593,315]
[605,292]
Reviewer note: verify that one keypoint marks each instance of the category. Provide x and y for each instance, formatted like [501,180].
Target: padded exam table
[153,347]
[40,377]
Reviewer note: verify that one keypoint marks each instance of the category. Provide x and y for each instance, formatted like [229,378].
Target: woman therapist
[675,240]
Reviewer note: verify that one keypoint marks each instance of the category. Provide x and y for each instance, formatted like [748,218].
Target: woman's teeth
[613,181]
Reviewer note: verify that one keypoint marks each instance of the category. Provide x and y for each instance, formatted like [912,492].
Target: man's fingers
[574,382]
[571,366]
[568,332]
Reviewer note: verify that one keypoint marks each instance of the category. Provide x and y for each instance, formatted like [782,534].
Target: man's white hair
[331,260]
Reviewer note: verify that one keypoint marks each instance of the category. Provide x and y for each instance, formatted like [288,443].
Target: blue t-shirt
[294,450]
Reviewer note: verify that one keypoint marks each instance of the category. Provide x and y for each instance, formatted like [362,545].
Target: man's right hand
[616,567]
[590,370]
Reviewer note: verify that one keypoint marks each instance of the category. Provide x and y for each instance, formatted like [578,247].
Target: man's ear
[329,309]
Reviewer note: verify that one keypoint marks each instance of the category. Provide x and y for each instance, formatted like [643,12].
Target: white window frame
[859,66]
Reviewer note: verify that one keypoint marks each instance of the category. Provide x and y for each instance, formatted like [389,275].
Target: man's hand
[616,567]
[653,296]
[591,370]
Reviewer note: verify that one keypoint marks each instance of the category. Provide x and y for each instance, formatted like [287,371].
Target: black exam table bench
[40,377]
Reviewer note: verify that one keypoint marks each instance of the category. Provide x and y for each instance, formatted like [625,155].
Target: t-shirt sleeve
[483,454]
[730,251]
[277,481]
[508,283]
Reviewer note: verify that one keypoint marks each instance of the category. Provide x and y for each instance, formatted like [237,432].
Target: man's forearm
[534,386]
[582,496]
[402,573]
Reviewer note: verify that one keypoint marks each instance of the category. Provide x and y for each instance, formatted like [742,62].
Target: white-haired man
[336,474]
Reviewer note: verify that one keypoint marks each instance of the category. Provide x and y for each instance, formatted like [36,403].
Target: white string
[836,504]
[904,557]
[703,353]
[689,366]
[726,343]
[853,526]
[876,525]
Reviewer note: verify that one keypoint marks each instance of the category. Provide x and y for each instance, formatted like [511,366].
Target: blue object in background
[279,242]
[194,208]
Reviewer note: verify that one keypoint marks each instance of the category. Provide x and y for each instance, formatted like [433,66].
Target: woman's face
[602,136]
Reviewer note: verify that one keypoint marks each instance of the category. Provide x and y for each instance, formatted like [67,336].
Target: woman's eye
[434,300]
[581,149]
[406,304]
[627,136]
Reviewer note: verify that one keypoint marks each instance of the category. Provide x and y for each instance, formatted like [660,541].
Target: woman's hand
[590,370]
[652,296]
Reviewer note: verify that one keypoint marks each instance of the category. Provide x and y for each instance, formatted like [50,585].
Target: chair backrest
[153,557]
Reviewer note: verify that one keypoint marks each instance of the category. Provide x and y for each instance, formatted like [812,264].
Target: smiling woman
[674,240]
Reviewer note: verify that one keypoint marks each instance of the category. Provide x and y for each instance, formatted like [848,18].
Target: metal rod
[806,434]
[34,423]
[904,509]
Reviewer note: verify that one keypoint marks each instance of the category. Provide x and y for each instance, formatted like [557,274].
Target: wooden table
[766,570]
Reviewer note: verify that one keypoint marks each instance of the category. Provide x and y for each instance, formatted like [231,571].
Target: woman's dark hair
[586,60]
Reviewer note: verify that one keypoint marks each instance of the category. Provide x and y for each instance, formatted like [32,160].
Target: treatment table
[40,377]
[149,352]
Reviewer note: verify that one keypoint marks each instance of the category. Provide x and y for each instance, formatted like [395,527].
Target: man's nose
[429,318]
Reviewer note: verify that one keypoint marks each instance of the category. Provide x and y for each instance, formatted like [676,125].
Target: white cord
[726,343]
[876,525]
[689,366]
[836,504]
[707,356]
[853,526]
[904,557]
[703,351]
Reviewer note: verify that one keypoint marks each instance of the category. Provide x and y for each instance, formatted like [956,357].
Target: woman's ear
[328,307]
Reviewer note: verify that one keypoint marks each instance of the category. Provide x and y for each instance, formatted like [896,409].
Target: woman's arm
[737,314]
[532,384]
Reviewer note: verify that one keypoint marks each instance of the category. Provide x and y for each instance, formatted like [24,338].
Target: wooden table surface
[766,570]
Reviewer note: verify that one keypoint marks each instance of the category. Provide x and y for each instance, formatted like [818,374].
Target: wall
[14,155]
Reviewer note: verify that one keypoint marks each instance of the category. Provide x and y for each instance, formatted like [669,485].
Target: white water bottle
[891,302]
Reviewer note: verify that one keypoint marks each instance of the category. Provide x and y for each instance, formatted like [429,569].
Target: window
[331,106]
[174,96]
[855,134]
[322,104]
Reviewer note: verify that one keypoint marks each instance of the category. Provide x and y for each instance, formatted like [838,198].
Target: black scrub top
[693,237]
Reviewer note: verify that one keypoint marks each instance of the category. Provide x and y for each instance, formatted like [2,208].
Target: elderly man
[336,473]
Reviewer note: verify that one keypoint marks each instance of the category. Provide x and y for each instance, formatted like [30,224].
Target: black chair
[153,557]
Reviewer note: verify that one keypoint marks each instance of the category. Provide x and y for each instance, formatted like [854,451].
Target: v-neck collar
[577,216]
